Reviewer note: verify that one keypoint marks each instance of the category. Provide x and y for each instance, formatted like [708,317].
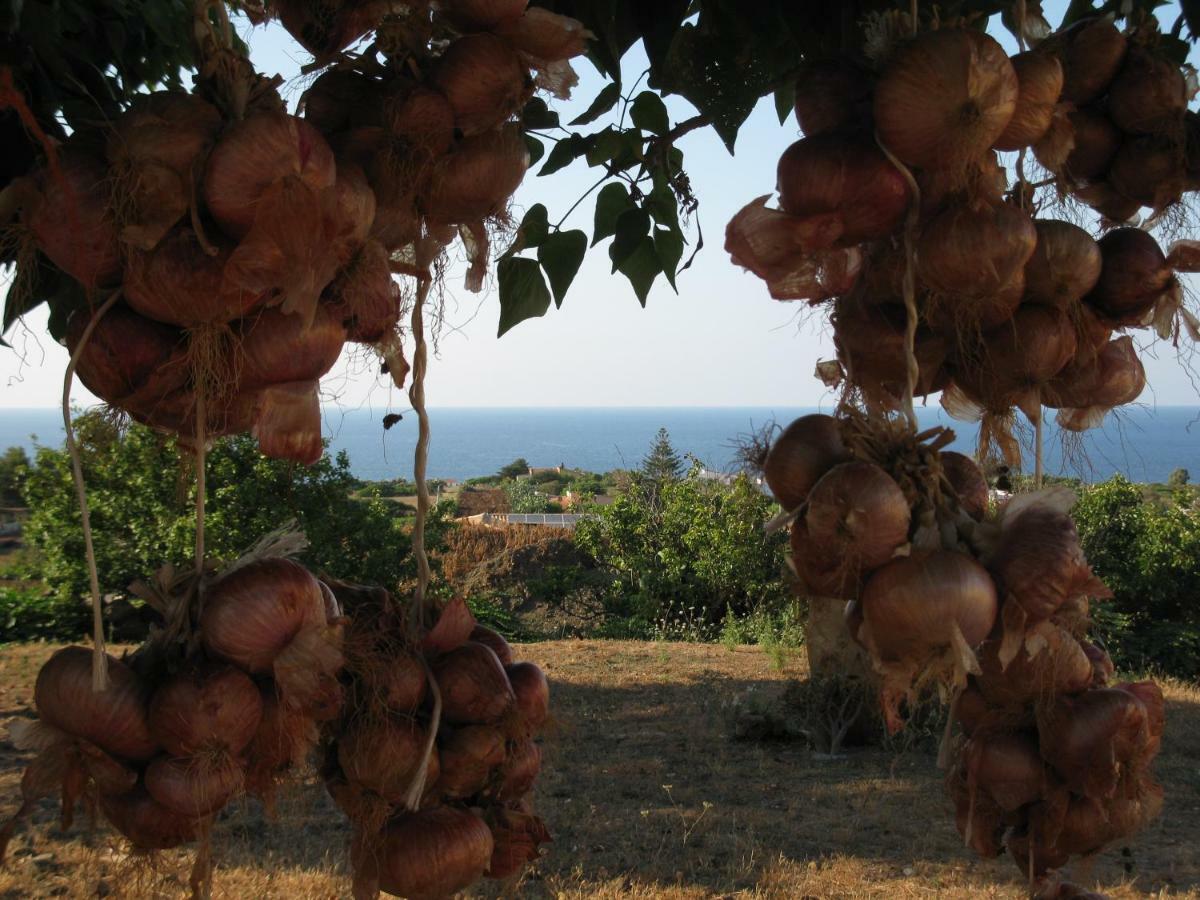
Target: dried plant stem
[99,657]
[201,459]
[1037,450]
[416,396]
[416,790]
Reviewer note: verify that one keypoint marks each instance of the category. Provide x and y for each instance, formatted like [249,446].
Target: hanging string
[1037,450]
[416,396]
[201,460]
[99,657]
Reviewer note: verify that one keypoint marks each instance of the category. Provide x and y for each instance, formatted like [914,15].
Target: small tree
[515,468]
[662,464]
[1179,478]
[14,467]
[524,498]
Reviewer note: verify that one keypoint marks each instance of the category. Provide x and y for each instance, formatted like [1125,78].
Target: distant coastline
[1143,444]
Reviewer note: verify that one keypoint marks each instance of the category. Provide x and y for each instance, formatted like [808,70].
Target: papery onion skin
[970,486]
[489,637]
[147,823]
[364,297]
[287,424]
[383,756]
[478,178]
[859,512]
[424,120]
[1091,52]
[115,719]
[1040,81]
[969,252]
[254,154]
[1059,667]
[545,36]
[192,787]
[1065,264]
[517,834]
[128,354]
[1008,767]
[808,448]
[276,347]
[846,176]
[70,220]
[215,708]
[400,684]
[520,770]
[469,757]
[911,604]
[1133,276]
[253,613]
[1018,356]
[1148,94]
[532,691]
[433,853]
[831,95]
[482,78]
[473,684]
[1087,738]
[944,98]
[1150,170]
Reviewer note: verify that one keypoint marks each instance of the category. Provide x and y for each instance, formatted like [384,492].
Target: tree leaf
[621,148]
[537,114]
[785,100]
[523,292]
[605,100]
[612,200]
[661,202]
[536,149]
[566,152]
[632,227]
[649,113]
[668,244]
[534,228]
[641,267]
[561,254]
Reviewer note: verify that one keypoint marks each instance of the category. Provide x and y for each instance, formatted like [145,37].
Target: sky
[722,341]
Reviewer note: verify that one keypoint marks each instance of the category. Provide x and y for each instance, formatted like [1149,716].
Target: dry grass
[648,797]
[467,546]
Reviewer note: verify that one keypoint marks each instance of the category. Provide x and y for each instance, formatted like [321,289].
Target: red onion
[128,354]
[353,213]
[384,756]
[288,423]
[1151,171]
[473,685]
[945,97]
[483,15]
[114,719]
[831,95]
[532,692]
[70,219]
[399,683]
[212,709]
[478,178]
[1060,666]
[845,176]
[482,78]
[276,347]
[520,770]
[911,605]
[1065,264]
[1008,767]
[1089,737]
[1102,664]
[546,37]
[1151,697]
[872,346]
[424,120]
[975,252]
[1018,357]
[342,99]
[281,742]
[147,823]
[1091,52]
[517,834]
[804,451]
[1040,82]
[481,634]
[364,297]
[469,758]
[966,478]
[1148,95]
[859,514]
[1110,377]
[433,853]
[193,787]
[453,629]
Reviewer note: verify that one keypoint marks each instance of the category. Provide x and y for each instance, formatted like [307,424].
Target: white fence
[550,520]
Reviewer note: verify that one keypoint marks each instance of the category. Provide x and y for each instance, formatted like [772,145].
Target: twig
[99,657]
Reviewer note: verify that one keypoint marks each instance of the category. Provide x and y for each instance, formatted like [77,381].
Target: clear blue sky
[721,342]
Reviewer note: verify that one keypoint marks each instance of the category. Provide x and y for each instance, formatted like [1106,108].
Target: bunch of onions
[944,98]
[831,95]
[804,451]
[847,179]
[483,80]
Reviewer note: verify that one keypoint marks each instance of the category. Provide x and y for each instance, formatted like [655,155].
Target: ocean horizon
[1142,443]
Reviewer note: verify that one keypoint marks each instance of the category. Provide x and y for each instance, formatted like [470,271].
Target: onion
[175,412]
[424,120]
[147,823]
[473,685]
[192,787]
[397,221]
[1102,664]
[532,692]
[1060,666]
[128,354]
[70,219]
[400,683]
[963,318]
[546,37]
[1040,564]
[433,853]
[113,719]
[972,252]
[353,211]
[1150,695]
[1150,170]
[520,770]
[1089,737]
[1106,379]
[342,99]
[831,95]
[872,345]
[481,634]
[1091,52]
[325,29]
[1040,81]
[254,154]
[276,347]
[1065,264]
[912,604]
[212,709]
[1133,276]
[468,760]
[1008,767]
[1096,144]
[517,834]
[944,98]
[966,478]
[281,742]
[804,451]
[478,178]
[846,176]
[288,422]
[384,756]
[452,629]
[1034,858]
[820,571]
[979,717]
[179,283]
[1019,356]
[976,816]
[482,78]
[1148,95]
[254,613]
[859,513]
[365,298]
[1114,207]
[483,15]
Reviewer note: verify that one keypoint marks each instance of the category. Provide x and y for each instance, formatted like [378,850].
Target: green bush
[32,615]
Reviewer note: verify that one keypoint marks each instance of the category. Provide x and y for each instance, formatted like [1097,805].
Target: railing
[548,520]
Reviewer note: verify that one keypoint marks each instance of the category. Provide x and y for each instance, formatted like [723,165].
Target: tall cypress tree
[662,464]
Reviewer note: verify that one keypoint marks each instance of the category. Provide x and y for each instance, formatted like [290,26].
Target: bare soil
[648,796]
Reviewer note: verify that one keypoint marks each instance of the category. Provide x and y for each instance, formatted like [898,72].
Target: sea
[1142,443]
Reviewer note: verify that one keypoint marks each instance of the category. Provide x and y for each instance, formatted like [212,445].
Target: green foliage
[523,497]
[518,466]
[142,513]
[662,464]
[680,557]
[1179,478]
[1148,553]
[31,615]
[14,466]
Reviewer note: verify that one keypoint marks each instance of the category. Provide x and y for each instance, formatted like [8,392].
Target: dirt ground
[647,797]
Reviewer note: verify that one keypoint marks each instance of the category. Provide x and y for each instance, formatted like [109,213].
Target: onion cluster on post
[179,733]
[895,199]
[435,754]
